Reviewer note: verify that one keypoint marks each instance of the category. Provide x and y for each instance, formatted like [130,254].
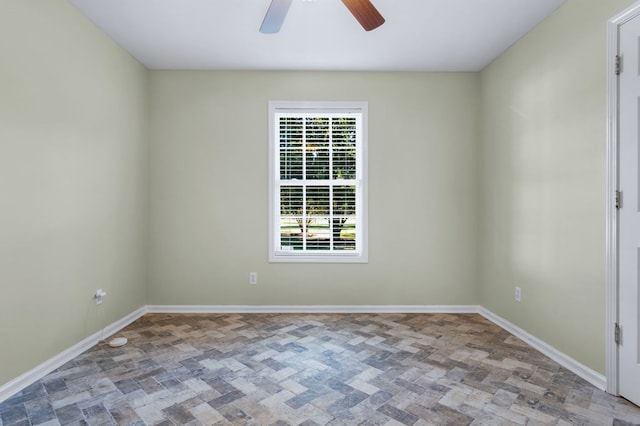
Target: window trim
[277,256]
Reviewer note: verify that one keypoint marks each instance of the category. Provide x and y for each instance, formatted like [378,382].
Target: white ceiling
[418,35]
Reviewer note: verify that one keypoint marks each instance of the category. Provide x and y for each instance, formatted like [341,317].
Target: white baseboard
[312,309]
[26,379]
[35,374]
[596,379]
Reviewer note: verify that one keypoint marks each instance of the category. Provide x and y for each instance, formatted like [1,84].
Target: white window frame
[276,254]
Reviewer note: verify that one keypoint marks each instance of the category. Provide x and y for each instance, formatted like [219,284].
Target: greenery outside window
[317,191]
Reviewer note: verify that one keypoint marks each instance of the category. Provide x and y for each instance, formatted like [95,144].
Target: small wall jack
[100,294]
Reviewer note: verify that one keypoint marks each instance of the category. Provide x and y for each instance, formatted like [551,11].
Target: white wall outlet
[253,278]
[518,294]
[99,296]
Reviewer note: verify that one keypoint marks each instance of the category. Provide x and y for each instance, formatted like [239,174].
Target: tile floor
[315,369]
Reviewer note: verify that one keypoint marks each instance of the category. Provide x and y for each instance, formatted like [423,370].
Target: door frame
[612,284]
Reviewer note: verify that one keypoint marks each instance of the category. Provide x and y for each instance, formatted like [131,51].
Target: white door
[629,214]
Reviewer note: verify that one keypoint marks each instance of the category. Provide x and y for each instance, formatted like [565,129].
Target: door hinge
[616,334]
[618,64]
[618,200]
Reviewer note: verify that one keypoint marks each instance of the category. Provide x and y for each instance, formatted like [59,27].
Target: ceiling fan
[363,10]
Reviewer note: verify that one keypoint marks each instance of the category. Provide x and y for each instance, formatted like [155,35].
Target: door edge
[612,285]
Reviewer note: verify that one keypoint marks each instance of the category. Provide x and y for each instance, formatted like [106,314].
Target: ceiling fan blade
[365,12]
[275,16]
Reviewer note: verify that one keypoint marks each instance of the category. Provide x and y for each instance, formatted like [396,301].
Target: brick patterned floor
[315,369]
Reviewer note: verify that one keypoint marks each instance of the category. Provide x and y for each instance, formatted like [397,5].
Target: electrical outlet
[518,294]
[253,278]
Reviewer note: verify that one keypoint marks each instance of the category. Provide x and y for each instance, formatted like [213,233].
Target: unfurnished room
[319,212]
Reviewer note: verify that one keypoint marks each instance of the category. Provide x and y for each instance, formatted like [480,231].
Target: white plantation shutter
[317,182]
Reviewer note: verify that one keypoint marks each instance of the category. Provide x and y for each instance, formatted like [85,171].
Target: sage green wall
[73,157]
[209,189]
[542,163]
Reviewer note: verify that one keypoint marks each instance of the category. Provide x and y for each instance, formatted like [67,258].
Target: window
[317,191]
